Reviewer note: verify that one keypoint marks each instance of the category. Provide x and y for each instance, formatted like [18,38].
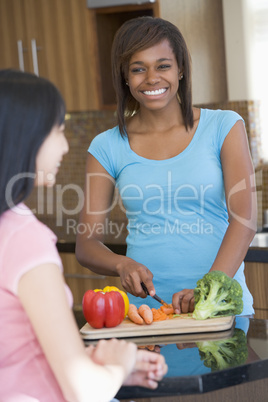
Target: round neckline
[181,154]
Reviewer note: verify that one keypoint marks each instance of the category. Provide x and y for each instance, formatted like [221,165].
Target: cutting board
[177,325]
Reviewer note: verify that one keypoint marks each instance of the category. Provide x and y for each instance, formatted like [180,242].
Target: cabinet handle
[20,54]
[34,55]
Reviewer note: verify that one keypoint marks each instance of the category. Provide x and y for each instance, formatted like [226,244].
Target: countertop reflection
[208,362]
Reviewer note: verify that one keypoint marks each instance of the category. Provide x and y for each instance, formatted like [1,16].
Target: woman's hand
[141,367]
[115,352]
[132,274]
[150,368]
[183,301]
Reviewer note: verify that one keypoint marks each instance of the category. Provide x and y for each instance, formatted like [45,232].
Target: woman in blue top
[184,174]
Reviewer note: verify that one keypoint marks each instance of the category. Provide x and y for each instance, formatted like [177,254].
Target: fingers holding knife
[132,274]
[153,296]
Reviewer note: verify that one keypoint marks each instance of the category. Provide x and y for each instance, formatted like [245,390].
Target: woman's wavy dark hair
[30,107]
[138,34]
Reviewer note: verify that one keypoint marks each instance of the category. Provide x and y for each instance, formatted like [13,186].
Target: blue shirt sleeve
[226,120]
[100,148]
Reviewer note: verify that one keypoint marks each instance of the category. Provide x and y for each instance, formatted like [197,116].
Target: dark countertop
[257,254]
[187,373]
[254,254]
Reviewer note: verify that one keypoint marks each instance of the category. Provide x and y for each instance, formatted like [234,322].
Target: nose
[65,147]
[152,77]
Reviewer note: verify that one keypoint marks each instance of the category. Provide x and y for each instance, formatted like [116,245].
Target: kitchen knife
[157,298]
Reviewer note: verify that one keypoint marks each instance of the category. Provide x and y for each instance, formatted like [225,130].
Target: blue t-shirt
[176,208]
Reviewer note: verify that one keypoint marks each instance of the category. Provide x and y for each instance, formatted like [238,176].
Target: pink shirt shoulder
[25,243]
[24,371]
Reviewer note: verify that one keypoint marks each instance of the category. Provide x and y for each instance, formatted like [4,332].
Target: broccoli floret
[226,353]
[217,295]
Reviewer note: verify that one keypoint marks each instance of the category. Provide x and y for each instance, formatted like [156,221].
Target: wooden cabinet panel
[61,31]
[12,29]
[257,279]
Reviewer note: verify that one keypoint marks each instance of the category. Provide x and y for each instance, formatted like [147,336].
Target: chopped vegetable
[158,315]
[183,315]
[168,309]
[163,313]
[217,295]
[222,354]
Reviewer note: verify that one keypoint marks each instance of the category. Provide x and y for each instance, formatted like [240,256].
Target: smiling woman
[184,174]
[165,50]
[154,81]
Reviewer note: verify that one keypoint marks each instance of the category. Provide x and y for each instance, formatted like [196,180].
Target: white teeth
[157,92]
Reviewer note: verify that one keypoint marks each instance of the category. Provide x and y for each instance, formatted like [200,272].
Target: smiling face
[153,76]
[50,155]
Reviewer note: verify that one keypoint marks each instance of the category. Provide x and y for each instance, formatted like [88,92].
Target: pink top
[25,374]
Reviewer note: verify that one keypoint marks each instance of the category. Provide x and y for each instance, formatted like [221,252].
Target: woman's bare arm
[90,249]
[240,192]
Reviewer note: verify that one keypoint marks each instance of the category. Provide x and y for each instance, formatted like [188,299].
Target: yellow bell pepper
[115,289]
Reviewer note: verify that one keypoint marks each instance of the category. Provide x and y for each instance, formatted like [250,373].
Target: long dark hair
[30,107]
[138,34]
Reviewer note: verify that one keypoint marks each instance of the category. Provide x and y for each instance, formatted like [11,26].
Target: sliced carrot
[163,313]
[150,347]
[146,313]
[134,316]
[160,318]
[167,309]
[158,315]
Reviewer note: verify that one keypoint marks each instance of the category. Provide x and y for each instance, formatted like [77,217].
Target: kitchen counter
[188,378]
[257,252]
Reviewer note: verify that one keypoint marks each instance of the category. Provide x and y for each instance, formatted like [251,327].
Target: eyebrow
[158,61]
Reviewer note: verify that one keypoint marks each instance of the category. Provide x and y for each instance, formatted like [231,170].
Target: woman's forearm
[233,248]
[93,254]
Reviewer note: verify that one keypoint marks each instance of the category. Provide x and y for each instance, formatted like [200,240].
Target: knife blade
[157,298]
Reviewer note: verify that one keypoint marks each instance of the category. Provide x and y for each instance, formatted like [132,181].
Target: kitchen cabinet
[256,274]
[50,38]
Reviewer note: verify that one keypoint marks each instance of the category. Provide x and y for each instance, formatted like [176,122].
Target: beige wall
[237,17]
[201,23]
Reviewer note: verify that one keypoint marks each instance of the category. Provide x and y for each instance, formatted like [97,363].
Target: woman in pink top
[41,360]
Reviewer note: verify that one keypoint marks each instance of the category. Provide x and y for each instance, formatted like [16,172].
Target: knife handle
[157,298]
[145,289]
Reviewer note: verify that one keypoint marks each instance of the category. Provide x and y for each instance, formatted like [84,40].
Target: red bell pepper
[103,309]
